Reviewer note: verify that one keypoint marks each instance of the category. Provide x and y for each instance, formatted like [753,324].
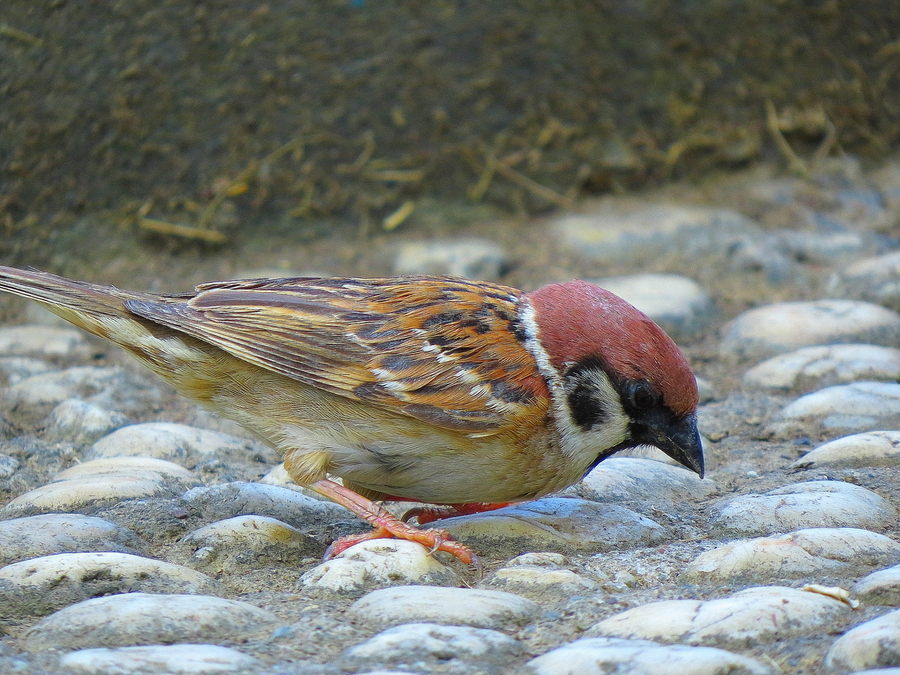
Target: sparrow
[467,395]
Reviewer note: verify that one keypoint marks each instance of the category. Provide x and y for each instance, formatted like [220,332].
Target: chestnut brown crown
[586,329]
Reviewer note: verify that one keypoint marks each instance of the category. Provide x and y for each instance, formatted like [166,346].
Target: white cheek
[614,428]
[582,446]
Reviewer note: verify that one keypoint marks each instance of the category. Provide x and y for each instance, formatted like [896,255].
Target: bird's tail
[88,306]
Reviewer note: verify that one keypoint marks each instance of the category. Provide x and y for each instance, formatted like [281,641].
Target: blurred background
[318,131]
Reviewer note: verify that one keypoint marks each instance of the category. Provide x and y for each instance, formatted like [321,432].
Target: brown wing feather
[446,351]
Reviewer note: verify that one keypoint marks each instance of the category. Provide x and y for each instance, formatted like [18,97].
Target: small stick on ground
[794,162]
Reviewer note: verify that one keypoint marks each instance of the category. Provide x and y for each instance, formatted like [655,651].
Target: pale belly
[390,454]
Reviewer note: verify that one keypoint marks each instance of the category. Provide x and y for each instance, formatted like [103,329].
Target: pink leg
[386,525]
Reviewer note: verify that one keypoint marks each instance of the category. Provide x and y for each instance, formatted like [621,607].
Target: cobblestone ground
[139,534]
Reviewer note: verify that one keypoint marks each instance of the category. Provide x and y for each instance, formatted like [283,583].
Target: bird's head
[618,380]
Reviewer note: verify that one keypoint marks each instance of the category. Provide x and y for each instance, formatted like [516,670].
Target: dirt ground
[206,125]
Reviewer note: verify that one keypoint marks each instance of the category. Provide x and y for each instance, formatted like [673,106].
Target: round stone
[875,279]
[860,406]
[746,618]
[432,604]
[871,449]
[51,389]
[616,235]
[813,368]
[822,247]
[601,655]
[379,562]
[238,498]
[132,466]
[641,481]
[805,553]
[79,493]
[8,466]
[555,524]
[541,570]
[180,443]
[467,257]
[525,578]
[35,536]
[880,588]
[782,327]
[43,585]
[142,618]
[81,422]
[184,659]
[43,341]
[248,542]
[872,644]
[14,369]
[802,505]
[432,644]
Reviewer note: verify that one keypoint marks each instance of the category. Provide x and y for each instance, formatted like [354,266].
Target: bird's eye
[642,396]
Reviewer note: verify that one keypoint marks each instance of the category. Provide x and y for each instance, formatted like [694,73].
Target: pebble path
[136,541]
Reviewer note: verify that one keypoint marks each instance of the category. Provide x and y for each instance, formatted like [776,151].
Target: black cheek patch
[586,410]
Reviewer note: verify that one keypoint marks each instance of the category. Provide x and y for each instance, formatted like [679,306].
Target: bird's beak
[680,440]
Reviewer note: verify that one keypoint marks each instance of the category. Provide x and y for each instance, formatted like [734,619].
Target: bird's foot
[429,514]
[435,540]
[387,526]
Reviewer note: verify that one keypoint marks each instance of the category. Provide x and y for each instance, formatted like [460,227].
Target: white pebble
[813,368]
[78,493]
[34,536]
[14,369]
[525,577]
[880,588]
[876,279]
[246,542]
[122,478]
[555,524]
[8,466]
[43,585]
[632,479]
[544,559]
[127,466]
[81,422]
[183,659]
[845,408]
[165,440]
[224,500]
[143,618]
[456,606]
[42,341]
[615,235]
[600,656]
[801,505]
[870,449]
[55,387]
[871,644]
[786,326]
[422,642]
[804,553]
[378,562]
[471,258]
[746,618]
